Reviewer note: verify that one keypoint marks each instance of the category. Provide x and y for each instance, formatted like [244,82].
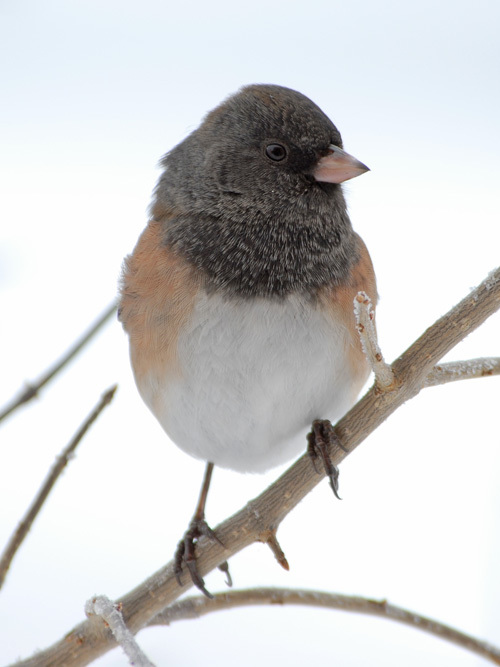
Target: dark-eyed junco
[238,298]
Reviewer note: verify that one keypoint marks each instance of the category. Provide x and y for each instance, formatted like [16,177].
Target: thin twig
[195,607]
[61,461]
[463,370]
[85,643]
[111,614]
[365,324]
[32,388]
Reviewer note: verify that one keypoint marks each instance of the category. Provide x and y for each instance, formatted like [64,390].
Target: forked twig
[441,374]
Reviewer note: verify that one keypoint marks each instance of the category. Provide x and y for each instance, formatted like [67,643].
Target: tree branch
[110,613]
[442,374]
[263,514]
[463,370]
[31,389]
[195,607]
[365,323]
[60,463]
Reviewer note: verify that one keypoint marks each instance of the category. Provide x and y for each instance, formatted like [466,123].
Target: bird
[238,297]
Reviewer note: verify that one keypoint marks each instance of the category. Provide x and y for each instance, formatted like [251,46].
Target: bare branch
[111,614]
[31,389]
[85,643]
[442,374]
[463,370]
[365,323]
[60,463]
[195,607]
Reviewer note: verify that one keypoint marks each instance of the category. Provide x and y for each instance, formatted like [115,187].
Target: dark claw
[319,439]
[196,578]
[334,481]
[224,567]
[185,553]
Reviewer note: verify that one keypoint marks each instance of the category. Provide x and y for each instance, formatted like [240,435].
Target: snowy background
[93,93]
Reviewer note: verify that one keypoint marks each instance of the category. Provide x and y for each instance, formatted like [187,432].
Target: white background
[92,94]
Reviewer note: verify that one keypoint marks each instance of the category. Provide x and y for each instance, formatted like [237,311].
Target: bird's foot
[322,435]
[185,553]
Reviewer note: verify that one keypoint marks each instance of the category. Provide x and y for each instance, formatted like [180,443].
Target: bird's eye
[276,152]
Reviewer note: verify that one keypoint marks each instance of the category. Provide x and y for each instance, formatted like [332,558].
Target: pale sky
[93,94]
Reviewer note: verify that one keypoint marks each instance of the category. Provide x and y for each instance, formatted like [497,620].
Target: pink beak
[338,166]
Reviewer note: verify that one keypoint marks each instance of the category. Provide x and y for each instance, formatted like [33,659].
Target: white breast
[255,373]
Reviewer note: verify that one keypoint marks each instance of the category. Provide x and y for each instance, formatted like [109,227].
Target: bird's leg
[319,439]
[198,527]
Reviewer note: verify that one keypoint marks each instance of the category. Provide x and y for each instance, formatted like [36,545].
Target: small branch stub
[269,538]
[365,324]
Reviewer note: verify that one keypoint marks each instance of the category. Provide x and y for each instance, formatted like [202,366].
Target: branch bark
[264,514]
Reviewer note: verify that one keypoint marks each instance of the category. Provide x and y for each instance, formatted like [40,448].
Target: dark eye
[276,152]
